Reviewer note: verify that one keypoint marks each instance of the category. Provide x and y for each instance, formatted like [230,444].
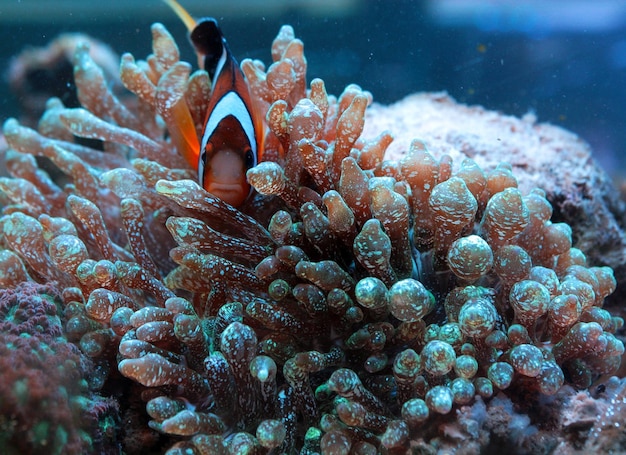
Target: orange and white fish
[232,139]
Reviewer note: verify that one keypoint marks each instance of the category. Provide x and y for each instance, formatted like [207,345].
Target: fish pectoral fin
[183,133]
[171,105]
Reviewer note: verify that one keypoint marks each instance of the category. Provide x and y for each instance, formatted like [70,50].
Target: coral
[37,74]
[44,397]
[353,305]
[573,423]
[600,418]
[540,154]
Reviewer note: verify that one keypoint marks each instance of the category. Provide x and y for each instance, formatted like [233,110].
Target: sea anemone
[353,305]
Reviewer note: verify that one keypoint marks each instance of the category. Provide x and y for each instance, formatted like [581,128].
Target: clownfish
[232,137]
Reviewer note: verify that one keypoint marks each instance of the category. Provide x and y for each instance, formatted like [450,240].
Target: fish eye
[249,160]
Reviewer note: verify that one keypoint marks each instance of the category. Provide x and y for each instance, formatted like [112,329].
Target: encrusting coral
[353,305]
[52,412]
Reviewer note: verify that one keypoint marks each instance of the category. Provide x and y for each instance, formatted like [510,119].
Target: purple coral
[45,401]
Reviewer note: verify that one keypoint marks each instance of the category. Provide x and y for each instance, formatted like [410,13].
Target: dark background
[564,60]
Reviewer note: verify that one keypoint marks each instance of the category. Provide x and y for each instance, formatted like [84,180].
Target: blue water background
[564,60]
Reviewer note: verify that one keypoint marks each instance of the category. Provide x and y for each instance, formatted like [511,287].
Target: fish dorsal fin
[209,42]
